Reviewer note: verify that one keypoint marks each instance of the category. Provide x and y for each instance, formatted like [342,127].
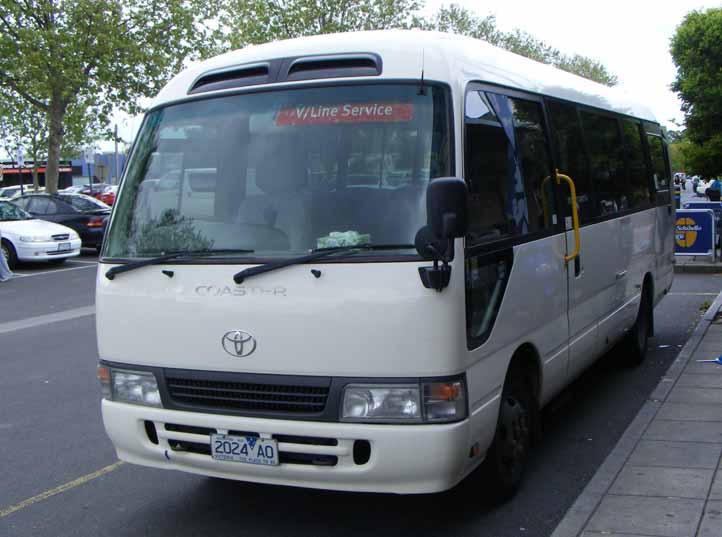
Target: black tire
[506,459]
[9,252]
[637,339]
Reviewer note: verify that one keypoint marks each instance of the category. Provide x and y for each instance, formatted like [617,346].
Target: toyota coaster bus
[366,261]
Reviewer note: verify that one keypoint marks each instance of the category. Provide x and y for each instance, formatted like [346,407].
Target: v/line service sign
[694,232]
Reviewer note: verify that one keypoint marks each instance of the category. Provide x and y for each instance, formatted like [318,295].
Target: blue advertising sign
[716,206]
[694,232]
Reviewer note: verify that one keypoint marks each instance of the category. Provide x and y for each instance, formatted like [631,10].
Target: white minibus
[366,261]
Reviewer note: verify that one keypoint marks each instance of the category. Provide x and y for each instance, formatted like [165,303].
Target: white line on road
[30,322]
[692,294]
[57,490]
[53,271]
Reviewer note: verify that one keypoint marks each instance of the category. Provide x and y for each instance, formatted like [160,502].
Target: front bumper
[403,458]
[46,251]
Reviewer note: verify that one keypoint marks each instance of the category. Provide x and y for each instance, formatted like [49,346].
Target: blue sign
[694,232]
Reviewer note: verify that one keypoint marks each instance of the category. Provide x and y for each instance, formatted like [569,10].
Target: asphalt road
[51,435]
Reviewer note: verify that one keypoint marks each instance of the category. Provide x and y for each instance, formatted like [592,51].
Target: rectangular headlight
[428,402]
[392,403]
[136,387]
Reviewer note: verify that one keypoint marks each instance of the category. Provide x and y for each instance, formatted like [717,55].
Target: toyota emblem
[238,343]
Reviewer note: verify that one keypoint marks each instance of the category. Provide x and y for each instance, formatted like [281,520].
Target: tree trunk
[55,138]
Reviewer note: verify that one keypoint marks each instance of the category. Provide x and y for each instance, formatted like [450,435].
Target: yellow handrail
[575,217]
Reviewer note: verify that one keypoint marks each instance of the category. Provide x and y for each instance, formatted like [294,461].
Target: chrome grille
[61,237]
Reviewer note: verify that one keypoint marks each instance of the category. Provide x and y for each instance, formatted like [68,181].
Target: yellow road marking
[57,490]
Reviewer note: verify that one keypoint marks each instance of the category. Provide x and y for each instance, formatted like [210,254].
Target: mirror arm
[437,277]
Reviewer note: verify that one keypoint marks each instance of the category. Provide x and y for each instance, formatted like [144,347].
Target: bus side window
[506,164]
[638,184]
[659,168]
[605,152]
[572,157]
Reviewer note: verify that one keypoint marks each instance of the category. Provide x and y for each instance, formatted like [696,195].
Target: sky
[630,37]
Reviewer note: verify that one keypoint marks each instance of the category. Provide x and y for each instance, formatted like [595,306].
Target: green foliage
[458,20]
[170,233]
[77,60]
[697,51]
[247,22]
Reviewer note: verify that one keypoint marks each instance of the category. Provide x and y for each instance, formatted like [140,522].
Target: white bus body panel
[357,319]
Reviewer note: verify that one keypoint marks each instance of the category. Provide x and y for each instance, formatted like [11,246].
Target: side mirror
[446,203]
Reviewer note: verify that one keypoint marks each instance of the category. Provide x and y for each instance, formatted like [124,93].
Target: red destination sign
[318,114]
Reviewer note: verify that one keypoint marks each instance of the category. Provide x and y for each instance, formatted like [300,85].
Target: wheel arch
[527,356]
[648,287]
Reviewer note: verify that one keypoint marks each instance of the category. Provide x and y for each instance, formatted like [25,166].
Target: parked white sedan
[25,238]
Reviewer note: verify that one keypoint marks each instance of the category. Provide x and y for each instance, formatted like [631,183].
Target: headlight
[137,387]
[382,403]
[432,402]
[31,238]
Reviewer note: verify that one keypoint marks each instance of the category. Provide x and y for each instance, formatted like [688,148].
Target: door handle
[575,217]
[621,274]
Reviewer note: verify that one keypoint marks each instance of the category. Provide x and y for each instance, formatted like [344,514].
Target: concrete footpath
[663,478]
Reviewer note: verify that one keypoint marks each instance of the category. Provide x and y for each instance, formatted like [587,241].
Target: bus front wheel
[506,459]
[635,344]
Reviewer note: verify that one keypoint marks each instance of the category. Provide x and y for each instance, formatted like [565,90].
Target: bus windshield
[283,172]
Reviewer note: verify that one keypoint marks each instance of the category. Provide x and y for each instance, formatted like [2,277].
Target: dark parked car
[86,215]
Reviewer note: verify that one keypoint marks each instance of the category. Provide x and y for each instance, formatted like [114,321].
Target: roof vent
[236,77]
[335,66]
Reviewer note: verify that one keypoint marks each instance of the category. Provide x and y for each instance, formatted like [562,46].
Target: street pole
[117,172]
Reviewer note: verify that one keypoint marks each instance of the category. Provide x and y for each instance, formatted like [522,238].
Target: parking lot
[61,476]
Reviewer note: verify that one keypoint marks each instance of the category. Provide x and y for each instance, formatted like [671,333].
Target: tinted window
[507,167]
[22,202]
[659,167]
[572,157]
[607,163]
[42,205]
[81,204]
[637,188]
[486,279]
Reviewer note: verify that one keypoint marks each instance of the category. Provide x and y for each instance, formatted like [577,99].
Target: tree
[24,126]
[245,22]
[72,59]
[458,20]
[697,53]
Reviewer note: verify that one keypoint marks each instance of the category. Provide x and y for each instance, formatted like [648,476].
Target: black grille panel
[245,396]
[61,237]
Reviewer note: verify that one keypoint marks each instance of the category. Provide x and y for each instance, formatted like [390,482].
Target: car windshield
[10,212]
[284,172]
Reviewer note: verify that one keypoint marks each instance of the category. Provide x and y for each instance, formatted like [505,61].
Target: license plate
[63,247]
[248,449]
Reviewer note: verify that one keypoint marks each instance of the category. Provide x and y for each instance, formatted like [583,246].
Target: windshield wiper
[315,254]
[112,272]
